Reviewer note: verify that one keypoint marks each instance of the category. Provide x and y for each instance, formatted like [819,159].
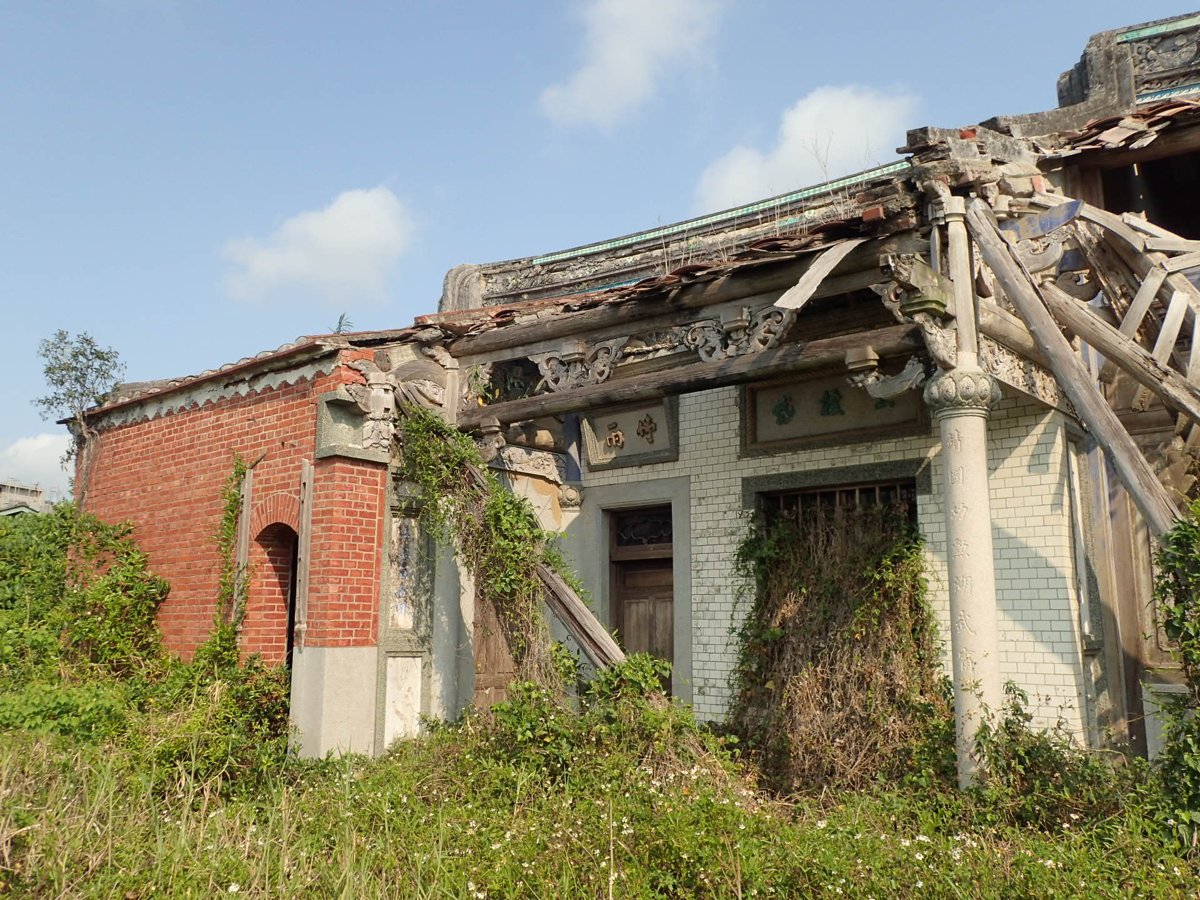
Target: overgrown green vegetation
[1177,589]
[81,657]
[185,790]
[495,533]
[537,800]
[838,677]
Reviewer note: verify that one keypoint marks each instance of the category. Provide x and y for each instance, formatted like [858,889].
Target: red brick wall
[165,475]
[346,549]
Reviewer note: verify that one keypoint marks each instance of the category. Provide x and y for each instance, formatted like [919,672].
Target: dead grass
[838,676]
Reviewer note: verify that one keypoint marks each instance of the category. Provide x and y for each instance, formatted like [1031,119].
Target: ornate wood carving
[579,365]
[744,332]
[643,527]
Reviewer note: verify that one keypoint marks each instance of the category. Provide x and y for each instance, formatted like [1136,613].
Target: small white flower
[821,823]
[234,888]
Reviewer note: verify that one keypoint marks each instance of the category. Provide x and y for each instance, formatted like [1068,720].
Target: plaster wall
[1038,607]
[333,700]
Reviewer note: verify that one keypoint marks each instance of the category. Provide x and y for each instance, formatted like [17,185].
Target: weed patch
[838,675]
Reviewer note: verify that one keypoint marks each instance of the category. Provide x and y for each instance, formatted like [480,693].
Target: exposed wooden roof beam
[810,356]
[1131,466]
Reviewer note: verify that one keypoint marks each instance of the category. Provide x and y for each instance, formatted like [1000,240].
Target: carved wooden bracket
[884,387]
[578,364]
[742,332]
[923,290]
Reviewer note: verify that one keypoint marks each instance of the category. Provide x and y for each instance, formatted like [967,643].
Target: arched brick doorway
[270,621]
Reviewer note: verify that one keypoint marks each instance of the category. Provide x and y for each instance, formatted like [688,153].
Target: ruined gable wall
[165,475]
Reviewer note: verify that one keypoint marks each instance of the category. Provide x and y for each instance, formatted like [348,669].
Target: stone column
[960,400]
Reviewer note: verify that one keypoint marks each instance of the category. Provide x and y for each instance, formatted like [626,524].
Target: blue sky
[194,181]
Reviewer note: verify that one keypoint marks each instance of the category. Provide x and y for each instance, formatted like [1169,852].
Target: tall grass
[465,812]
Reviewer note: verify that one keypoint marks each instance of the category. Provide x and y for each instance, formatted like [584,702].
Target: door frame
[591,531]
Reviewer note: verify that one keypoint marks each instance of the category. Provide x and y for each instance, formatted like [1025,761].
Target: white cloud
[832,131]
[342,253]
[37,460]
[630,46]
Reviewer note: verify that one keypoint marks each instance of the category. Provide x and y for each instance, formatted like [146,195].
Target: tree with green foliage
[80,374]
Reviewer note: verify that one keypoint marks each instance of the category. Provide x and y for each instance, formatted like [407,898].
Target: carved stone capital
[962,390]
[377,400]
[570,496]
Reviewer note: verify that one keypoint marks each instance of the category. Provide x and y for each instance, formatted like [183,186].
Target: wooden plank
[1141,223]
[1193,366]
[241,563]
[1174,389]
[1180,263]
[303,553]
[1005,328]
[1171,244]
[811,356]
[1102,217]
[796,296]
[1132,468]
[593,638]
[591,635]
[1141,302]
[1168,334]
[1025,228]
[1136,314]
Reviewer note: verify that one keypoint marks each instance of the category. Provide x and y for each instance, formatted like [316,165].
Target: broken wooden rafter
[821,268]
[1131,466]
[1144,367]
[567,606]
[1168,334]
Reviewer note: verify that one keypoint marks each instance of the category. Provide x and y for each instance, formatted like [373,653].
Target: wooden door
[643,591]
[642,586]
[494,666]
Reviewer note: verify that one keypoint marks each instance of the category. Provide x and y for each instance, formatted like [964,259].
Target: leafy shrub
[495,533]
[86,583]
[81,656]
[1042,779]
[1177,589]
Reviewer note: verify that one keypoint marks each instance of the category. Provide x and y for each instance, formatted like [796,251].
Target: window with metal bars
[802,504]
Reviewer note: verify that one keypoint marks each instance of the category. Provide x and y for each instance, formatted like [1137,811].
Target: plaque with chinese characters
[824,411]
[630,436]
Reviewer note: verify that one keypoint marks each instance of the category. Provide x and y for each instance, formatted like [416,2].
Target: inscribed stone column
[960,400]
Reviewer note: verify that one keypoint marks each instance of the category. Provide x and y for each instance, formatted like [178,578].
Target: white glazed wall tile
[1033,543]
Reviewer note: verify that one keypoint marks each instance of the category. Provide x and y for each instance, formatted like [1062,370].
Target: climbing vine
[495,533]
[838,679]
[231,599]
